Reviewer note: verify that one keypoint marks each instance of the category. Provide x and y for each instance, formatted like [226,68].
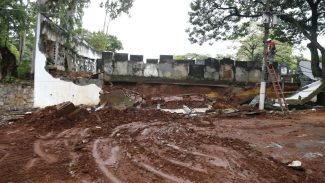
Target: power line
[13,9]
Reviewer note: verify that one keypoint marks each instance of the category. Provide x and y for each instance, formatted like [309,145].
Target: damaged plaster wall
[225,70]
[150,70]
[51,91]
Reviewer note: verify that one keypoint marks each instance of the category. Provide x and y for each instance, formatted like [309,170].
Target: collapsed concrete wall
[85,62]
[57,59]
[165,68]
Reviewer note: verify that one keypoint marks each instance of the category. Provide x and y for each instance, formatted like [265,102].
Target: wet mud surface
[148,145]
[138,142]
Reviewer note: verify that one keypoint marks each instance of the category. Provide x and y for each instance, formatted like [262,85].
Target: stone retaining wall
[13,96]
[224,70]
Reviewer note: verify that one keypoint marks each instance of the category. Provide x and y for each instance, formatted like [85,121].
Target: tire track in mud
[177,153]
[3,153]
[160,173]
[102,163]
[38,149]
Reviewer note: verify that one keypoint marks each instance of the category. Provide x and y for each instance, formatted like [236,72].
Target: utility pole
[266,22]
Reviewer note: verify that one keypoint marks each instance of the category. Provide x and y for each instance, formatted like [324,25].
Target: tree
[252,50]
[230,19]
[13,21]
[191,56]
[102,42]
[66,13]
[13,18]
[114,8]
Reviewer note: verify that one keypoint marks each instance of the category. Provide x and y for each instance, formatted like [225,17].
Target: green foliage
[284,55]
[16,18]
[225,56]
[102,42]
[191,56]
[252,50]
[12,48]
[114,8]
[229,19]
[24,69]
[13,18]
[67,13]
[11,80]
[114,44]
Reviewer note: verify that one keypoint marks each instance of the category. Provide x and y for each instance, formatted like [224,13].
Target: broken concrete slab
[229,111]
[296,165]
[120,98]
[78,114]
[65,108]
[306,93]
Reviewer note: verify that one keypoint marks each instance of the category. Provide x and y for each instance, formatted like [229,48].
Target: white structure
[51,91]
[305,67]
[307,93]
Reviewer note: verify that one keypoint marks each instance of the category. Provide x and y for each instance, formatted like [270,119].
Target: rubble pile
[160,134]
[67,143]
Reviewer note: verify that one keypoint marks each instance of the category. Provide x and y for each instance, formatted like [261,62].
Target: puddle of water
[173,98]
[308,144]
[313,155]
[182,111]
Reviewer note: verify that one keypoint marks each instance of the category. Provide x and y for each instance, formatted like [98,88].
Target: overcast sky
[154,27]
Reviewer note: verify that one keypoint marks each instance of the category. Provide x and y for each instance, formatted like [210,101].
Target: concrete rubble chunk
[77,114]
[297,165]
[314,155]
[229,111]
[306,93]
[65,108]
[120,98]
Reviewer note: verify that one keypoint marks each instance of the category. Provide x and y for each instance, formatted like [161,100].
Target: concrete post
[266,35]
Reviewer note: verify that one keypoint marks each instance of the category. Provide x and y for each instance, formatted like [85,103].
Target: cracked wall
[211,70]
[64,69]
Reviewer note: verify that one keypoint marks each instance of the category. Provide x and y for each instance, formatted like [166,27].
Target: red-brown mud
[65,143]
[146,145]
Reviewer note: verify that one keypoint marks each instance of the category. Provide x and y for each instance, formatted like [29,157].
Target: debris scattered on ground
[229,111]
[314,155]
[297,165]
[121,99]
[274,145]
[7,116]
[133,137]
[138,145]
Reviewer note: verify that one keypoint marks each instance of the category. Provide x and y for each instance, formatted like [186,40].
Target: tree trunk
[105,21]
[321,95]
[22,41]
[8,65]
[317,72]
[323,62]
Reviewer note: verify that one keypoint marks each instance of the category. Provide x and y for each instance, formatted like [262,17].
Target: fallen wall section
[51,91]
[306,93]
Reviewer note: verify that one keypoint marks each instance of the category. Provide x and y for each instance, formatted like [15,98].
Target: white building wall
[51,91]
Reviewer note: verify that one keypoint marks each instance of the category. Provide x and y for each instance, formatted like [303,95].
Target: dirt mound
[169,152]
[66,144]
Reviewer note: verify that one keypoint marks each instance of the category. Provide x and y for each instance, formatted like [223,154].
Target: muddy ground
[148,145]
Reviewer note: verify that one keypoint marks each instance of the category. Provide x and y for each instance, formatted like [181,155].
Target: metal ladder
[277,87]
